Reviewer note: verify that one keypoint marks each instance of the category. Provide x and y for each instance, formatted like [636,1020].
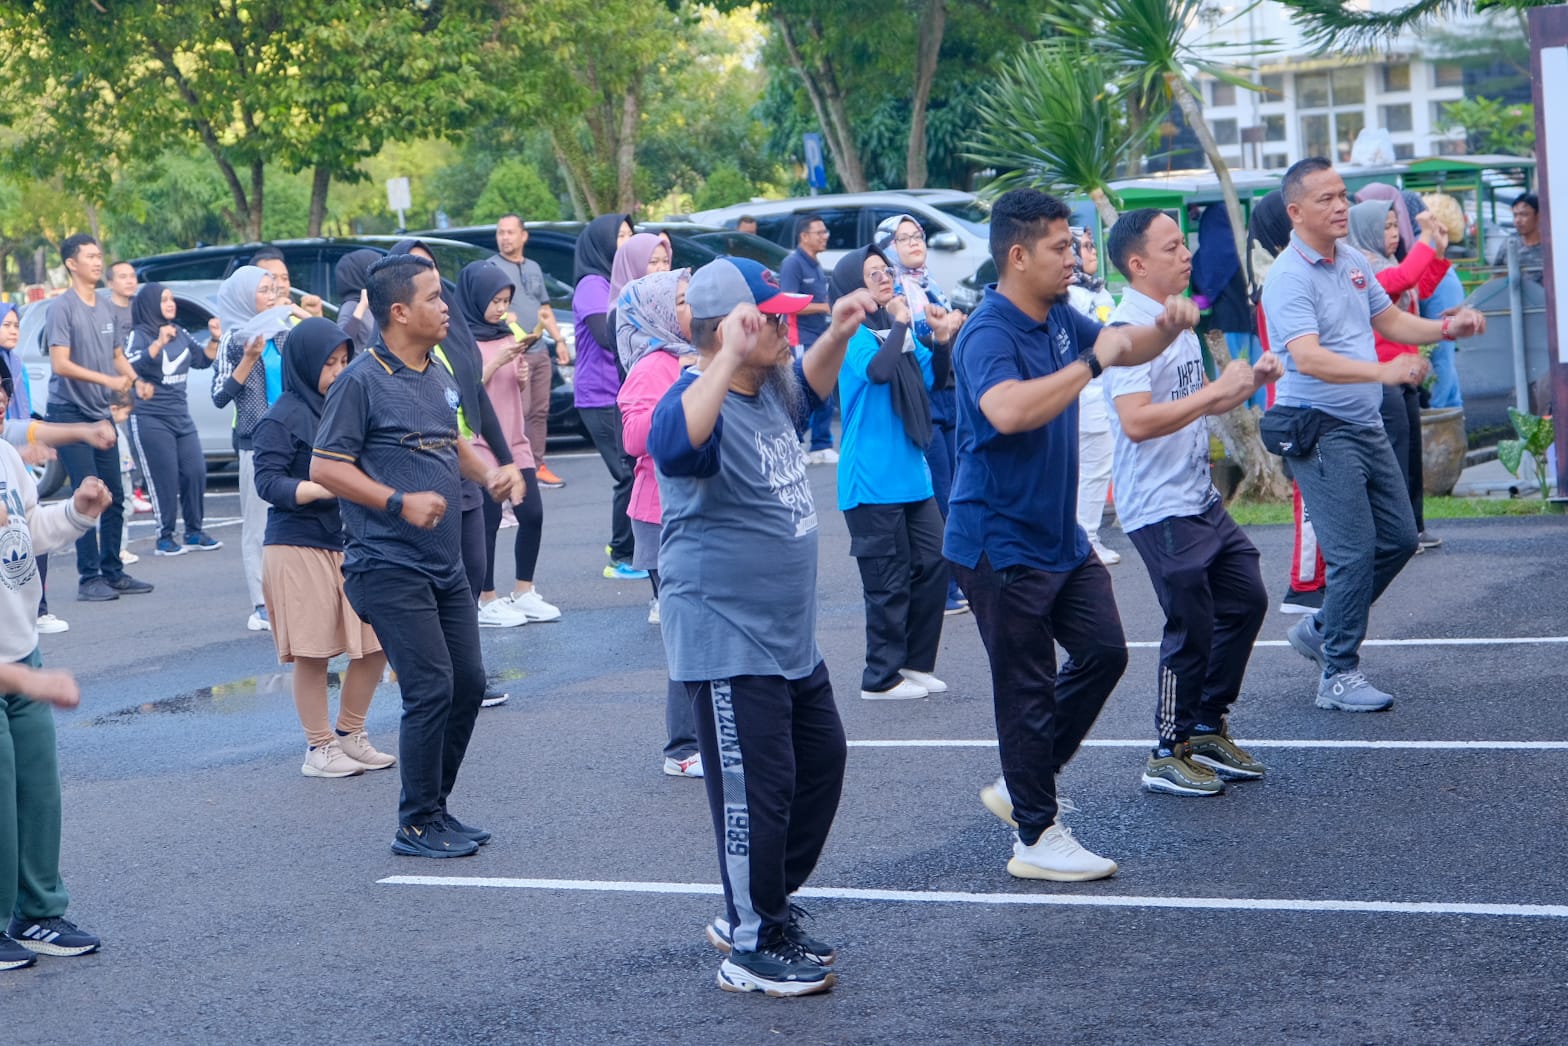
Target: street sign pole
[399,199]
[1549,86]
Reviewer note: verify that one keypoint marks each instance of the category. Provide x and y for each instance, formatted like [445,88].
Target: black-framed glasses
[909,239]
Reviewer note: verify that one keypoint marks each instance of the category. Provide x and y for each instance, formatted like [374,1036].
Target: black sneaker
[1297,602]
[478,835]
[432,840]
[96,590]
[201,542]
[126,585]
[13,956]
[54,936]
[781,968]
[718,933]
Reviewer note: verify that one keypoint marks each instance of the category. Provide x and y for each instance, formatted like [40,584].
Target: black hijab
[596,247]
[304,354]
[147,312]
[353,273]
[1270,223]
[477,286]
[911,401]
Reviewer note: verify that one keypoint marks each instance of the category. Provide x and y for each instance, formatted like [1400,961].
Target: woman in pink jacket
[653,326]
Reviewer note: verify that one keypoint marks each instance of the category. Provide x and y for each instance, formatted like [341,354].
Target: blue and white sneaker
[54,936]
[13,956]
[202,542]
[168,547]
[621,571]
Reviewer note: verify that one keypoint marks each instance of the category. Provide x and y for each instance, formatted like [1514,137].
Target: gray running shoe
[1307,640]
[1350,692]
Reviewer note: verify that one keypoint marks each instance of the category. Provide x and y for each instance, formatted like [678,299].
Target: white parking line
[1144,644]
[1424,746]
[1239,904]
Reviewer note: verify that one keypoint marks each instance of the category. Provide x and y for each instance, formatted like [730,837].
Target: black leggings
[530,529]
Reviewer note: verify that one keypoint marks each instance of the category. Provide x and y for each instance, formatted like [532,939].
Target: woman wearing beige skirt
[302,578]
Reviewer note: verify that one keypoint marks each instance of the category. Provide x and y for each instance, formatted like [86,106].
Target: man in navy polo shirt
[388,447]
[1322,304]
[801,273]
[1012,527]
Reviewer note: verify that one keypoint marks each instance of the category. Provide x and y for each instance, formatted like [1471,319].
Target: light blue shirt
[1168,476]
[878,465]
[1334,298]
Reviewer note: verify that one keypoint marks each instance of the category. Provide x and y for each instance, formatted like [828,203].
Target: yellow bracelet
[32,432]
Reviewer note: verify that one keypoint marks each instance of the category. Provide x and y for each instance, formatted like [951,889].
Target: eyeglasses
[910,239]
[780,322]
[883,273]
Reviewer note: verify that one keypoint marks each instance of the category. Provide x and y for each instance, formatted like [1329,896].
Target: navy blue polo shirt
[1015,497]
[399,426]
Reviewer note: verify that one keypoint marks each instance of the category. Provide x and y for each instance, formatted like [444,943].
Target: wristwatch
[395,503]
[1093,361]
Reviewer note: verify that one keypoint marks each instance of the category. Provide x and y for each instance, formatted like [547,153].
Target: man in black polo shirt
[388,447]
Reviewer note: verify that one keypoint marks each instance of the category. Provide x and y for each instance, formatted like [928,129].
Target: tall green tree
[1337,25]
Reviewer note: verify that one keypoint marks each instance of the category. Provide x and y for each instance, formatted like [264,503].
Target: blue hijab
[1216,262]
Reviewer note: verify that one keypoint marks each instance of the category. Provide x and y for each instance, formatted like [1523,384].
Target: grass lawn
[1249,512]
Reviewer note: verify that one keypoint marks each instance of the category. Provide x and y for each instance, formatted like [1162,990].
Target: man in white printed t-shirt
[1204,569]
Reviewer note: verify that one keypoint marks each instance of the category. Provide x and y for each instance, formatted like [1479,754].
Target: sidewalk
[1490,480]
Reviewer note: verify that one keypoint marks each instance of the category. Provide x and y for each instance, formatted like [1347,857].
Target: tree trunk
[1200,127]
[1102,204]
[320,182]
[933,22]
[580,209]
[1262,474]
[92,221]
[626,155]
[827,100]
[1137,117]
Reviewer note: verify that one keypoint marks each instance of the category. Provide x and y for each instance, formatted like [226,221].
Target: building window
[1440,118]
[1451,147]
[1312,90]
[1346,126]
[1404,152]
[1273,128]
[1274,84]
[1225,132]
[1316,139]
[1221,94]
[1448,74]
[1396,117]
[1350,86]
[1275,161]
[1396,77]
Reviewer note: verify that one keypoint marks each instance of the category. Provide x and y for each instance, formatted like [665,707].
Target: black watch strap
[395,503]
[1093,361]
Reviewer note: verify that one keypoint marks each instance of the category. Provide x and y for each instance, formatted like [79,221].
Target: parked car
[956,224]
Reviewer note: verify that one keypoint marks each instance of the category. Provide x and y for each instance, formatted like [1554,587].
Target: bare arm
[1313,360]
[1407,328]
[1141,419]
[61,363]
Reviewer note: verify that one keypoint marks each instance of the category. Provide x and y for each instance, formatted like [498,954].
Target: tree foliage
[515,187]
[1492,126]
[1337,25]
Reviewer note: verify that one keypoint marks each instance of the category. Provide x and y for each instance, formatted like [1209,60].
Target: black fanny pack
[1292,432]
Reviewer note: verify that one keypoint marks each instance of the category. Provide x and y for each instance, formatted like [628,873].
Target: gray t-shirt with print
[89,332]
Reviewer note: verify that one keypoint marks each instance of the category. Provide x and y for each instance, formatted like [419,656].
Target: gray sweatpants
[253,526]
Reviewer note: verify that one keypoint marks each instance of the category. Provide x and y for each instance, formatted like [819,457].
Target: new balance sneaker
[691,766]
[433,839]
[1109,556]
[478,835]
[779,969]
[533,607]
[53,936]
[548,479]
[1225,757]
[618,570]
[13,956]
[258,621]
[1057,856]
[198,541]
[1298,602]
[357,747]
[718,933]
[903,690]
[1307,640]
[166,547]
[126,585]
[1350,692]
[499,613]
[49,625]
[1175,773]
[329,760]
[930,683]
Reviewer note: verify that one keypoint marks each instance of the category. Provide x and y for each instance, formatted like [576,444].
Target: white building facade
[1316,104]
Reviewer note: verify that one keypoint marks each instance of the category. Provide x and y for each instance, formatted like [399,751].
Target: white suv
[957,225]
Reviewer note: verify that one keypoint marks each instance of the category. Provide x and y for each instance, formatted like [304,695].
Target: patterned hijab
[646,320]
[914,284]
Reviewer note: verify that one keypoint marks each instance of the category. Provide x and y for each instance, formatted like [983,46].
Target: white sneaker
[822,457]
[691,766]
[653,612]
[532,606]
[1109,556]
[258,621]
[904,691]
[999,801]
[499,613]
[931,683]
[128,557]
[357,747]
[330,760]
[1057,856]
[49,625]
[494,699]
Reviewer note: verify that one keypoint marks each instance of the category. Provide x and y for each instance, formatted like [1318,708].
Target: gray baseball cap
[719,286]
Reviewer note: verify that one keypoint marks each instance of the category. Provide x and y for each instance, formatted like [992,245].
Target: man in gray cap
[738,599]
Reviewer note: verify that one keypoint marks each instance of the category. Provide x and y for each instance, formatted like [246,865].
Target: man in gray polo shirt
[531,306]
[1322,303]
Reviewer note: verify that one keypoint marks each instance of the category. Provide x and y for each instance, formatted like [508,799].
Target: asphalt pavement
[1396,877]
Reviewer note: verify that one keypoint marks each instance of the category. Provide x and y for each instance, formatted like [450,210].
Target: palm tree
[1344,27]
[1144,41]
[1054,119]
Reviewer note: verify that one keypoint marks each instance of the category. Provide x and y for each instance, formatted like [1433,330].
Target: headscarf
[911,401]
[304,354]
[353,273]
[237,306]
[477,286]
[1268,232]
[1366,231]
[19,408]
[914,284]
[596,247]
[1384,191]
[1216,262]
[147,312]
[406,246]
[645,318]
[1093,284]
[631,260]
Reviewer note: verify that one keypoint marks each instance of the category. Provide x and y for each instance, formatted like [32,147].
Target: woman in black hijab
[162,354]
[353,276]
[302,561]
[884,487]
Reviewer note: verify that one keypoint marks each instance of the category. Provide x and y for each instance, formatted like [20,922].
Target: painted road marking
[1106,742]
[1433,641]
[1253,904]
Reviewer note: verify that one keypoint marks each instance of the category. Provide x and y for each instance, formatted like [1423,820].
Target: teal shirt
[878,465]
